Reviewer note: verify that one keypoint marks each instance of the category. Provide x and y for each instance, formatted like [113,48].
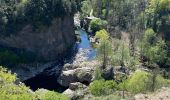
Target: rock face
[47,42]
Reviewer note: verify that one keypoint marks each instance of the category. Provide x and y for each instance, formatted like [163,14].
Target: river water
[48,79]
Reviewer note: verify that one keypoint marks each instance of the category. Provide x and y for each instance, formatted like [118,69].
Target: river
[48,78]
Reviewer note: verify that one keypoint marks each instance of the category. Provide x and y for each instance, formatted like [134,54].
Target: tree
[97,25]
[153,48]
[85,9]
[155,53]
[104,49]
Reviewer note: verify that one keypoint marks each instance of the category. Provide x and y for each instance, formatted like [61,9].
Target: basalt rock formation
[47,43]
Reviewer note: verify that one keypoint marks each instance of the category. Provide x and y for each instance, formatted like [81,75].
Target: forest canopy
[14,14]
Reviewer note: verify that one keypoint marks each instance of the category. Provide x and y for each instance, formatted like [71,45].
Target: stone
[77,85]
[69,93]
[67,77]
[85,74]
[47,43]
[109,73]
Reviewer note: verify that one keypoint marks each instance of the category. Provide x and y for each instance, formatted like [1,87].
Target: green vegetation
[13,57]
[97,25]
[104,49]
[132,36]
[14,15]
[102,87]
[153,48]
[141,81]
[54,96]
[11,89]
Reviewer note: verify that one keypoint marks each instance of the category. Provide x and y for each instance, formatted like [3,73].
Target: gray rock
[67,77]
[84,74]
[47,42]
[76,91]
[77,85]
[69,93]
[109,72]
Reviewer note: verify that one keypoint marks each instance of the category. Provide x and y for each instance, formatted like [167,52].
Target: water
[48,80]
[86,45]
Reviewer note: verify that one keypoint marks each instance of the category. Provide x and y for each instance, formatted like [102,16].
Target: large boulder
[67,77]
[77,85]
[76,91]
[83,75]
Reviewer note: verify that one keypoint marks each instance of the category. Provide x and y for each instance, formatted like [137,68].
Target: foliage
[50,95]
[14,15]
[157,15]
[153,48]
[98,74]
[102,34]
[12,57]
[85,9]
[102,87]
[104,49]
[141,81]
[97,24]
[120,13]
[138,82]
[121,55]
[10,91]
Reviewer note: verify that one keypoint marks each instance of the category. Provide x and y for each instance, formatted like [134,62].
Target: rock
[76,75]
[84,74]
[67,77]
[140,97]
[47,43]
[27,71]
[69,93]
[77,85]
[76,91]
[68,67]
[109,73]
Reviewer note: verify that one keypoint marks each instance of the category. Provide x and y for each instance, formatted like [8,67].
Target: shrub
[10,91]
[50,95]
[97,24]
[102,87]
[141,81]
[98,74]
[138,82]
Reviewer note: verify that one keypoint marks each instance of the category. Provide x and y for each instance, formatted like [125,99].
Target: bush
[97,24]
[141,81]
[10,91]
[8,57]
[13,57]
[50,95]
[102,87]
[153,49]
[138,82]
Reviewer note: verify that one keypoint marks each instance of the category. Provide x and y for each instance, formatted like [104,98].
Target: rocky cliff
[46,42]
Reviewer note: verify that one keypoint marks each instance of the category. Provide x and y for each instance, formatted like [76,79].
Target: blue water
[85,44]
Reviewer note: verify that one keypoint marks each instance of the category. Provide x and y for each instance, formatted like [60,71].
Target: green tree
[104,50]
[97,25]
